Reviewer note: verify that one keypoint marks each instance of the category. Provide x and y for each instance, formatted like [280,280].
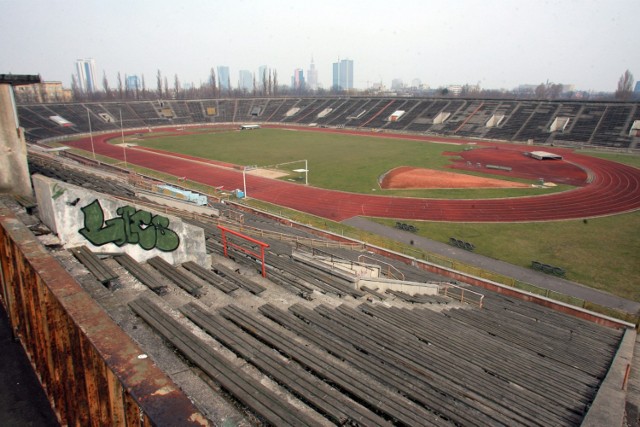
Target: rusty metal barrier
[88,366]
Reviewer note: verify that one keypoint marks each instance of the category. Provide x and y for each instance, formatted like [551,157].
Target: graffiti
[57,191]
[131,226]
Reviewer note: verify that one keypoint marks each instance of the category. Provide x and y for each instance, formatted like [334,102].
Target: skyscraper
[86,71]
[343,75]
[223,78]
[132,83]
[245,80]
[312,76]
[297,81]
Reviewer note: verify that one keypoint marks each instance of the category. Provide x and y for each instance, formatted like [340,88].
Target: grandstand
[304,345]
[585,124]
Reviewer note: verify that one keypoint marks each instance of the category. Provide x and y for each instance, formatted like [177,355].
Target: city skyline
[494,44]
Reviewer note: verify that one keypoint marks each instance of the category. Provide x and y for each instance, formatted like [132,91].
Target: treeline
[164,87]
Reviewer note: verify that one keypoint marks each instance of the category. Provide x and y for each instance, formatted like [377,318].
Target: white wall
[61,209]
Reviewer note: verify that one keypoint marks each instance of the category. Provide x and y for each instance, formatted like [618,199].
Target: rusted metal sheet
[86,363]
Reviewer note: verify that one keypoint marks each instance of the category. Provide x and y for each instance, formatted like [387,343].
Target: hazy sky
[499,43]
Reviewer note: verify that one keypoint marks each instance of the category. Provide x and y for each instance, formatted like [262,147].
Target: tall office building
[312,77]
[343,75]
[223,78]
[132,83]
[245,80]
[297,80]
[86,71]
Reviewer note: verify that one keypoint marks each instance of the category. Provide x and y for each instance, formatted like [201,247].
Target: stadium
[285,318]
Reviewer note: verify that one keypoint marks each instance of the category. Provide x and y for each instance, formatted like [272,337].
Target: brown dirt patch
[268,173]
[410,177]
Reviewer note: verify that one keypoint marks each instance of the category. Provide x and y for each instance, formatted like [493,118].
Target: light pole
[124,147]
[91,136]
[244,180]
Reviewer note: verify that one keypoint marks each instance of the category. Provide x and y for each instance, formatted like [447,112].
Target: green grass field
[602,253]
[336,161]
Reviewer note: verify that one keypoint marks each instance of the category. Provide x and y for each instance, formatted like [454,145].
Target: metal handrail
[460,295]
[390,267]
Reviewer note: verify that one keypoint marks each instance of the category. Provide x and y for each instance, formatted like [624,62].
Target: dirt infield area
[521,165]
[410,177]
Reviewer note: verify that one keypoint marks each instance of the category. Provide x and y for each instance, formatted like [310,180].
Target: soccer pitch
[601,253]
[336,161]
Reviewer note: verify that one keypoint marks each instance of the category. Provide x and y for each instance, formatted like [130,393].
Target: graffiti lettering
[132,226]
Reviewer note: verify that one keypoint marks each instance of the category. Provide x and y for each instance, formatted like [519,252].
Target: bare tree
[136,89]
[555,90]
[255,85]
[143,87]
[549,90]
[176,86]
[120,88]
[75,89]
[212,82]
[127,88]
[166,86]
[275,82]
[159,76]
[105,85]
[625,86]
[270,88]
[264,81]
[541,91]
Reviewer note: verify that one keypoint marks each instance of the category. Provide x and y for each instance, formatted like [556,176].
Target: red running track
[614,189]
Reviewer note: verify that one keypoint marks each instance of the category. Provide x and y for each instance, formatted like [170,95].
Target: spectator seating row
[591,123]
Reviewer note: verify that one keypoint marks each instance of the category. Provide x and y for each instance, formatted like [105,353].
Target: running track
[615,188]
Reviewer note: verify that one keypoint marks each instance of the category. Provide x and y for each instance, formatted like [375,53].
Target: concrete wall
[411,288]
[14,172]
[108,225]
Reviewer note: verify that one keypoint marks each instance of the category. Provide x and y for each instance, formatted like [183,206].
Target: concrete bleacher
[380,117]
[461,115]
[411,109]
[475,123]
[301,106]
[584,125]
[281,109]
[614,128]
[340,108]
[270,107]
[352,109]
[311,111]
[513,122]
[535,129]
[425,114]
[597,124]
[410,360]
